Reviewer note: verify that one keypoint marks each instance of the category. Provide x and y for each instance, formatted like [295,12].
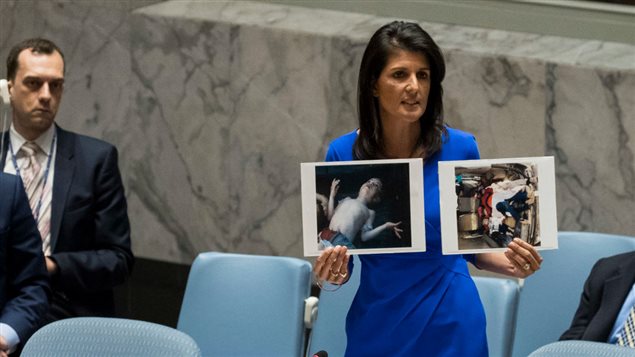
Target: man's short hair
[36,45]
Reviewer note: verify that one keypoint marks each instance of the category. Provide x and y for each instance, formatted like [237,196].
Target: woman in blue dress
[413,304]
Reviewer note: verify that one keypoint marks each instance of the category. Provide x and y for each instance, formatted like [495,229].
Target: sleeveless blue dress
[417,304]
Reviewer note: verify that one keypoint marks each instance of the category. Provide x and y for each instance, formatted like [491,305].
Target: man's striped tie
[33,177]
[626,337]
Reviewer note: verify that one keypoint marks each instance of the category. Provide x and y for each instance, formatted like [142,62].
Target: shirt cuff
[10,336]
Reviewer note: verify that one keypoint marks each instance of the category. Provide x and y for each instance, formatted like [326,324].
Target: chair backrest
[582,349]
[549,298]
[329,329]
[106,337]
[246,305]
[500,300]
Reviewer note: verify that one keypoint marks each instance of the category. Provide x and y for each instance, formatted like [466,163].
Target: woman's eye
[398,74]
[422,75]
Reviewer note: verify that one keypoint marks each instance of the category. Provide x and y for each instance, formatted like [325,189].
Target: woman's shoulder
[453,136]
[347,139]
[341,148]
[459,143]
[458,134]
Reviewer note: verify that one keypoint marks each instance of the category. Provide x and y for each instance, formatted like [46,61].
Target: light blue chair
[246,305]
[500,301]
[329,329]
[550,297]
[582,349]
[109,337]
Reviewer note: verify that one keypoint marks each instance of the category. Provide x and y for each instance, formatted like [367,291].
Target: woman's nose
[413,84]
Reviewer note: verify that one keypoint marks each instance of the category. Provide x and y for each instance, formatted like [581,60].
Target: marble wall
[213,106]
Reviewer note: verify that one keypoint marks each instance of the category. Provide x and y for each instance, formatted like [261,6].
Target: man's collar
[43,141]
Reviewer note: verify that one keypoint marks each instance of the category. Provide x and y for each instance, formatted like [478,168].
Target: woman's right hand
[332,265]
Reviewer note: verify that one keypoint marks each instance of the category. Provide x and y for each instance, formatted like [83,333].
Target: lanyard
[36,213]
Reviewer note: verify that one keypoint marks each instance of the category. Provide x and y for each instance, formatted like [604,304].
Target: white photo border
[416,188]
[546,204]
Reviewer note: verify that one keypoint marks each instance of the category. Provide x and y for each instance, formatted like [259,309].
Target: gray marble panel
[214,104]
[499,99]
[228,113]
[499,86]
[590,129]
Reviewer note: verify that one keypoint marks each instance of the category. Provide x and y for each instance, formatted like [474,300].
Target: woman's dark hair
[395,36]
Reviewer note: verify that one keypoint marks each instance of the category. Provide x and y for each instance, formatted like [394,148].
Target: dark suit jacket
[24,289]
[605,290]
[90,231]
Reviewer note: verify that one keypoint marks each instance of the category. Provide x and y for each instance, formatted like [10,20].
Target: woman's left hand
[332,265]
[524,258]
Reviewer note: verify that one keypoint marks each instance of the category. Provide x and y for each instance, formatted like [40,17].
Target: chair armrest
[310,311]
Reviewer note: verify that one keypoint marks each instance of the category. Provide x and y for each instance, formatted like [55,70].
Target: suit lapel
[615,290]
[64,172]
[5,149]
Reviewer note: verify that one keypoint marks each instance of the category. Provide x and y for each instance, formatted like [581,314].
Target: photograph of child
[352,217]
[364,206]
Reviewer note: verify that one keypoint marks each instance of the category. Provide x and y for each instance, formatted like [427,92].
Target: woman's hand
[524,257]
[332,265]
[520,260]
[4,347]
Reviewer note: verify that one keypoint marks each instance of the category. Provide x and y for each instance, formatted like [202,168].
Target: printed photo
[368,206]
[487,203]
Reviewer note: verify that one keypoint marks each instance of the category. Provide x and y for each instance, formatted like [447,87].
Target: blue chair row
[519,321]
[108,337]
[234,305]
[231,296]
[549,298]
[582,349]
[246,305]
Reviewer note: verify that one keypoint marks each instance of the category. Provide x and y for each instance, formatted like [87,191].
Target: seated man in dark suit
[74,187]
[607,300]
[24,290]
